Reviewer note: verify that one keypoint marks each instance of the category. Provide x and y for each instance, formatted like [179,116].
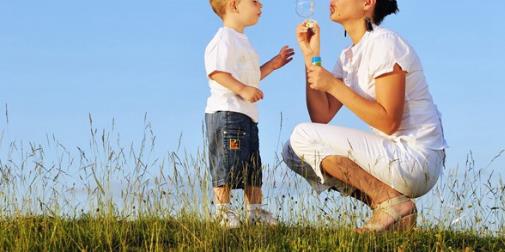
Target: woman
[380,79]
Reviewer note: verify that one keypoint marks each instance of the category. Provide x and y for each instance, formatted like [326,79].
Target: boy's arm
[248,93]
[284,57]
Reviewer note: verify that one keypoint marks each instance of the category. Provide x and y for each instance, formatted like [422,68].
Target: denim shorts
[234,157]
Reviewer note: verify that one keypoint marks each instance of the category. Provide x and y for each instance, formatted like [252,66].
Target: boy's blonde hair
[219,6]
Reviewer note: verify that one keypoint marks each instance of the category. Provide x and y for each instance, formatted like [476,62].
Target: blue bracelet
[316,61]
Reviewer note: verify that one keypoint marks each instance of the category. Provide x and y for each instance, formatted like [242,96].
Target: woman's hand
[309,40]
[320,79]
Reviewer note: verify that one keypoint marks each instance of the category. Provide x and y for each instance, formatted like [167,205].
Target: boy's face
[249,11]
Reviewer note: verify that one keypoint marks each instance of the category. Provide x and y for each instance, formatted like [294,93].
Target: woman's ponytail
[384,8]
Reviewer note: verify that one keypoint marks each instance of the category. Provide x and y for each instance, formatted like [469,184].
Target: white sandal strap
[387,207]
[392,202]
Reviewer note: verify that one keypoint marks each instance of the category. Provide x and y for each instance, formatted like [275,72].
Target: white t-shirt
[376,54]
[230,51]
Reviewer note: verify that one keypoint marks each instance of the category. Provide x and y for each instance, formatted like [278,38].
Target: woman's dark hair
[384,8]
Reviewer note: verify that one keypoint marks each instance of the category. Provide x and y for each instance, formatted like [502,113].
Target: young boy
[231,116]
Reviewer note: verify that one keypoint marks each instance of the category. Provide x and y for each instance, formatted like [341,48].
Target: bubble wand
[305,9]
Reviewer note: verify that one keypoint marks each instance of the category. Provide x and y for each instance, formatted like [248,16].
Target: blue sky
[61,60]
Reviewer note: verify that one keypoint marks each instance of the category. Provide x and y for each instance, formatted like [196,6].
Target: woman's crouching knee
[302,135]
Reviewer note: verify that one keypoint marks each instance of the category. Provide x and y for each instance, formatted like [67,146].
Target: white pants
[410,170]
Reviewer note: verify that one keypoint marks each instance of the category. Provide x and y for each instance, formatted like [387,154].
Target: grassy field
[129,197]
[189,233]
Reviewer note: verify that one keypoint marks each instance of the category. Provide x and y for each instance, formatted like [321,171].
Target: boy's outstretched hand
[284,57]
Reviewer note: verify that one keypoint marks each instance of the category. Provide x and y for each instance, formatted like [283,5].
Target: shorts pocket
[236,145]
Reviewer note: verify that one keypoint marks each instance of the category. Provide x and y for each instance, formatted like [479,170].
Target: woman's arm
[384,113]
[322,107]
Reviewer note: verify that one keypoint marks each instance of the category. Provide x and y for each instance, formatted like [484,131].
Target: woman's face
[342,11]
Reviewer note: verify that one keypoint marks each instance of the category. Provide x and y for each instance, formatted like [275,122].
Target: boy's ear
[232,6]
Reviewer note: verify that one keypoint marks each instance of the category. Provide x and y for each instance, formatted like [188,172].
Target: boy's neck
[230,23]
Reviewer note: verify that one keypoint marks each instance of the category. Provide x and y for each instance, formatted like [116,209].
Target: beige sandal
[401,223]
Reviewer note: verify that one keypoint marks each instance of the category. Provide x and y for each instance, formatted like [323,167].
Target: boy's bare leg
[222,194]
[227,217]
[253,195]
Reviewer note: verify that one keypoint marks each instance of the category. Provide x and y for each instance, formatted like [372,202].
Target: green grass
[187,233]
[112,196]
